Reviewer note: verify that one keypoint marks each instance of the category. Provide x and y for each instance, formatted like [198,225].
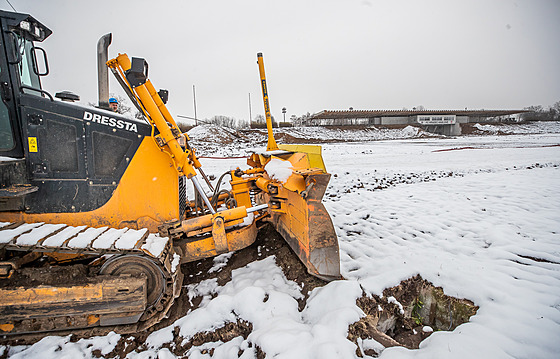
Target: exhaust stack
[102,70]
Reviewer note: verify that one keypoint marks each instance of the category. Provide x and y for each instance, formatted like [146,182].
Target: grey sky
[328,54]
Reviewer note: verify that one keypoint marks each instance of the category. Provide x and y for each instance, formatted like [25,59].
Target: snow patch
[107,239]
[278,169]
[175,263]
[83,239]
[393,300]
[427,329]
[58,239]
[220,262]
[63,347]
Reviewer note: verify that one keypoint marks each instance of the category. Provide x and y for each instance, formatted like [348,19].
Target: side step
[14,186]
[13,198]
[17,190]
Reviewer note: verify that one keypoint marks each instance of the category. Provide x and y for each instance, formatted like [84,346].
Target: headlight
[25,25]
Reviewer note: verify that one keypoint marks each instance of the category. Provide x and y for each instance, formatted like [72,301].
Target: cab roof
[25,25]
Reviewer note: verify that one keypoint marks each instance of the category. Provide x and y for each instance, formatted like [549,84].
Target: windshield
[27,74]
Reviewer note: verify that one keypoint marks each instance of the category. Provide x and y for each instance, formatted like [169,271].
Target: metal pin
[257,208]
[202,194]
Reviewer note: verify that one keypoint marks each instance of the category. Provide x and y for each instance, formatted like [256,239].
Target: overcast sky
[328,54]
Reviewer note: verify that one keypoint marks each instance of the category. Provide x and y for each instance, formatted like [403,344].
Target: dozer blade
[305,224]
[296,208]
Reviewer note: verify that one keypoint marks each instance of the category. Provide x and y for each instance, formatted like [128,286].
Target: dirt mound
[217,141]
[214,134]
[406,315]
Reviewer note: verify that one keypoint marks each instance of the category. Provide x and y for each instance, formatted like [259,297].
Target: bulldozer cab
[19,73]
[50,145]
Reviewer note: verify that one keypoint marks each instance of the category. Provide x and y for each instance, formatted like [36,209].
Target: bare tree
[226,121]
[539,113]
[555,109]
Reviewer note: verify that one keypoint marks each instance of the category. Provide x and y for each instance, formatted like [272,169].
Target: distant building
[445,122]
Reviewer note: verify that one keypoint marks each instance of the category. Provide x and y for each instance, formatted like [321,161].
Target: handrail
[38,90]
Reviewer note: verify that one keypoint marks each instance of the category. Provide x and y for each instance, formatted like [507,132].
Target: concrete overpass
[445,122]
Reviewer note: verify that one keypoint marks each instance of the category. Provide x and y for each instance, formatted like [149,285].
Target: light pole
[250,114]
[194,100]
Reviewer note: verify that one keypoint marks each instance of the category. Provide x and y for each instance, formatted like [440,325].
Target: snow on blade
[278,169]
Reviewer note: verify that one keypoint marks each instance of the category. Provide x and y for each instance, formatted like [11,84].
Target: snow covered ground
[478,216]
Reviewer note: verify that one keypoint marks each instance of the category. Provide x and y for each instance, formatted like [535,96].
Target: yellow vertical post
[272,146]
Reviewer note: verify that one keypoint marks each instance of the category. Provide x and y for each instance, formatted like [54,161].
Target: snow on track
[36,235]
[83,239]
[9,234]
[106,240]
[129,239]
[58,239]
[155,244]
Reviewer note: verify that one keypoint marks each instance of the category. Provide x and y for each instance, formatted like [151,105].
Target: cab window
[26,67]
[6,134]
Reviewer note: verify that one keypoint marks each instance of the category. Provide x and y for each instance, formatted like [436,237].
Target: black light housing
[164,95]
[138,73]
[67,96]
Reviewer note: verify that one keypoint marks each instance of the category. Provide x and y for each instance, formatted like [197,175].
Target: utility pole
[250,112]
[194,100]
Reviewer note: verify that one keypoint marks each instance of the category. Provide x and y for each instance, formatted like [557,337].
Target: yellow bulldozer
[95,220]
